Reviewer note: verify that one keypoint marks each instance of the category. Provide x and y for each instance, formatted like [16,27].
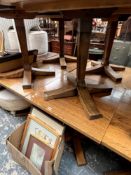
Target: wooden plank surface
[63,62]
[79,152]
[118,134]
[55,5]
[124,172]
[74,110]
[88,103]
[106,105]
[15,85]
[27,79]
[114,108]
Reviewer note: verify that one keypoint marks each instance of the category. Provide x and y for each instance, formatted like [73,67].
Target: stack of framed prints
[41,138]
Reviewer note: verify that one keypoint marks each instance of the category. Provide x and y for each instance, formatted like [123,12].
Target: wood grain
[84,33]
[61,39]
[117,67]
[113,66]
[27,79]
[124,172]
[96,69]
[20,28]
[2,49]
[54,5]
[13,74]
[70,58]
[112,74]
[118,134]
[110,35]
[79,151]
[88,104]
[67,91]
[42,72]
[114,108]
[63,63]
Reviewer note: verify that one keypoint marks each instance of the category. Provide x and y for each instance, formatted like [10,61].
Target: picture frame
[45,118]
[41,131]
[38,152]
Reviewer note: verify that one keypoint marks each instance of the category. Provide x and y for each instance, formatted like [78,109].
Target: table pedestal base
[109,70]
[27,75]
[83,92]
[62,60]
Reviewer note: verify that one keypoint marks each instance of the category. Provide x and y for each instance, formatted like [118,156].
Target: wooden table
[57,5]
[70,110]
[85,11]
[112,131]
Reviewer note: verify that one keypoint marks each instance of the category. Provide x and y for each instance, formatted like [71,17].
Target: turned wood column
[110,35]
[20,28]
[61,37]
[27,78]
[84,33]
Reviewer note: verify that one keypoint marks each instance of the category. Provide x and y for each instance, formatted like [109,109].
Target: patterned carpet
[99,158]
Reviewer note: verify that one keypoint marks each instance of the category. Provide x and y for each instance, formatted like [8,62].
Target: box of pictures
[38,143]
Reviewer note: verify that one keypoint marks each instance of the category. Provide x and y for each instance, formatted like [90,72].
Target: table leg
[79,151]
[110,35]
[78,86]
[27,79]
[104,66]
[84,33]
[28,69]
[61,38]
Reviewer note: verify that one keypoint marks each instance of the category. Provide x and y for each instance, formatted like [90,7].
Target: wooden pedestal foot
[13,74]
[109,70]
[117,68]
[69,58]
[60,93]
[90,88]
[110,35]
[95,69]
[101,88]
[112,74]
[88,104]
[114,67]
[27,79]
[95,63]
[57,60]
[41,72]
[63,63]
[53,59]
[79,151]
[122,172]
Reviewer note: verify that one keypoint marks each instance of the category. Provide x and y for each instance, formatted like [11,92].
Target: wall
[6,23]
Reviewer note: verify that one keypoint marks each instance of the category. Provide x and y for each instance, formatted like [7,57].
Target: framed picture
[41,131]
[55,125]
[38,152]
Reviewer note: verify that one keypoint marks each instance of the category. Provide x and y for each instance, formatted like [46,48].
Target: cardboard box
[13,143]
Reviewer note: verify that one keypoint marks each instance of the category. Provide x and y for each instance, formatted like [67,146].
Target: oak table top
[58,5]
[113,130]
